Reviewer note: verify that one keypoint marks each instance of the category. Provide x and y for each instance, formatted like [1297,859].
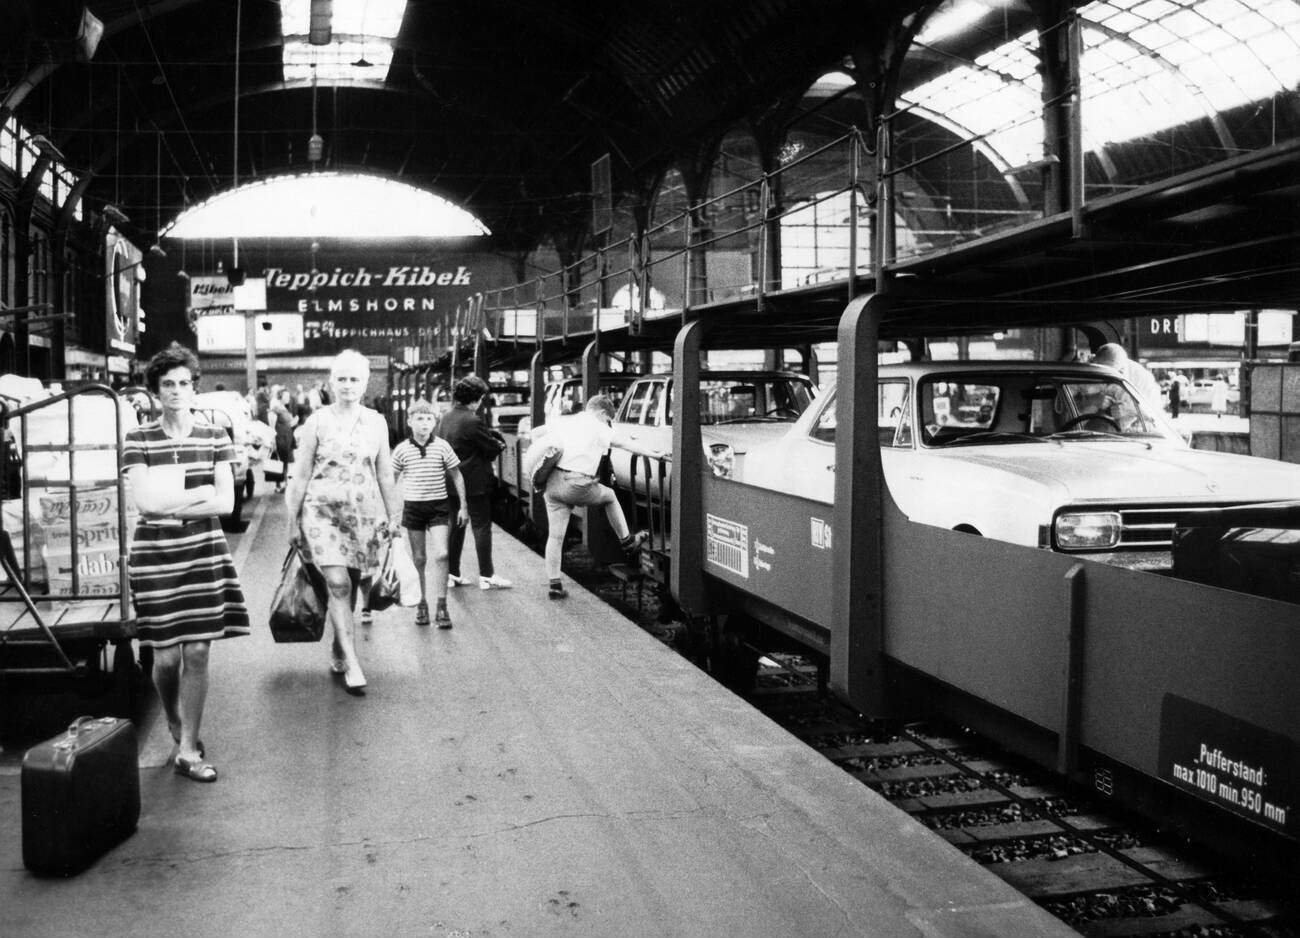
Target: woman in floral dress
[342,502]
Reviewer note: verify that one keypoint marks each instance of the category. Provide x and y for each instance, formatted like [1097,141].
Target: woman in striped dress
[183,579]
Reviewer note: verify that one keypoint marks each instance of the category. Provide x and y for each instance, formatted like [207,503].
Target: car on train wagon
[738,410]
[1057,455]
[565,396]
[507,404]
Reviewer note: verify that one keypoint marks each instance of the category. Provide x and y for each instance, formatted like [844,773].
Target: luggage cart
[70,630]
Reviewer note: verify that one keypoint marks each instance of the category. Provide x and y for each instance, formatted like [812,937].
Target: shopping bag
[299,605]
[386,588]
[540,460]
[408,578]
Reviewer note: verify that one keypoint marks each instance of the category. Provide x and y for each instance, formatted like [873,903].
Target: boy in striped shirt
[423,463]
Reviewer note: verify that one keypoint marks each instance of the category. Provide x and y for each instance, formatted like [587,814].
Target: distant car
[508,405]
[565,396]
[1252,549]
[252,439]
[738,410]
[1201,393]
[1056,455]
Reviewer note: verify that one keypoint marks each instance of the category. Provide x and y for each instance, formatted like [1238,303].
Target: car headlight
[721,459]
[1087,530]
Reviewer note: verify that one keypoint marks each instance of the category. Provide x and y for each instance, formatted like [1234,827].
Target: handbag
[299,605]
[386,588]
[274,470]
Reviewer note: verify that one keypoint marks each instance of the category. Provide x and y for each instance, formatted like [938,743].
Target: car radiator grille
[1147,527]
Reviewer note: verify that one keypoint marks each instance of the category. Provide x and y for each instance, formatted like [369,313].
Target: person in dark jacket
[476,446]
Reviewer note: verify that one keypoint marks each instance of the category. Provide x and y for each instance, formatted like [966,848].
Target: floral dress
[343,518]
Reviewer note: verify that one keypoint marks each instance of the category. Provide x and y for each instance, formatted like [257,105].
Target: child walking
[422,464]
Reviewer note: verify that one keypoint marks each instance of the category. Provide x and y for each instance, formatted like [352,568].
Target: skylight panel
[326,205]
[368,17]
[362,31]
[1154,9]
[295,17]
[1248,26]
[379,18]
[338,60]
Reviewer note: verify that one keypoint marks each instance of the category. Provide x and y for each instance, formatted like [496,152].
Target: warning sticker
[726,544]
[1231,763]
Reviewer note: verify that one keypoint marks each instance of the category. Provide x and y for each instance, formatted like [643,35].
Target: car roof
[733,375]
[920,369]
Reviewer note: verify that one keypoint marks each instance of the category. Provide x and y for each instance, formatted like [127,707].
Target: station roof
[501,105]
[497,105]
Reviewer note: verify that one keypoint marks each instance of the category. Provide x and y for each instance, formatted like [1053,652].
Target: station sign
[1230,763]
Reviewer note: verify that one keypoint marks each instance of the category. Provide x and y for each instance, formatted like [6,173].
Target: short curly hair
[469,389]
[173,356]
[602,403]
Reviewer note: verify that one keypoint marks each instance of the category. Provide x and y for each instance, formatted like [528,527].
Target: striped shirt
[424,469]
[149,445]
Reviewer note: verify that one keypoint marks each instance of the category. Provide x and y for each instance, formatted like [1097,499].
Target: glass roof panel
[1157,64]
[380,18]
[362,31]
[338,60]
[324,205]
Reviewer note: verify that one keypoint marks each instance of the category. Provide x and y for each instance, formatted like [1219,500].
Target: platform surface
[541,769]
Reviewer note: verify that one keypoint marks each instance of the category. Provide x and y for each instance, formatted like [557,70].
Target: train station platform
[541,769]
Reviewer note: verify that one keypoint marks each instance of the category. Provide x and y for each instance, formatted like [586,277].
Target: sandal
[195,769]
[198,743]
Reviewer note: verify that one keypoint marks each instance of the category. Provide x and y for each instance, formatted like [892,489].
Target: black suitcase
[80,793]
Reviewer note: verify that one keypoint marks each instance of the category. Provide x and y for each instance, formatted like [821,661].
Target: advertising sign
[210,296]
[122,282]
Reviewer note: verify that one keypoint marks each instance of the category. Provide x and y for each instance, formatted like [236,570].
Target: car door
[627,422]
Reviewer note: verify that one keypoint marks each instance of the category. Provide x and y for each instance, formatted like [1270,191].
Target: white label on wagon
[726,544]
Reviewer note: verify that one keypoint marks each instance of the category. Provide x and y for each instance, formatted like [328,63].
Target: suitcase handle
[78,725]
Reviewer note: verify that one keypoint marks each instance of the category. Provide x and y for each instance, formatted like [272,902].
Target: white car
[1055,455]
[1201,394]
[738,410]
[565,396]
[252,439]
[508,405]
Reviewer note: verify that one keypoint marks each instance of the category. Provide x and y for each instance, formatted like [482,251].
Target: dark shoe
[422,614]
[441,619]
[557,592]
[195,769]
[634,541]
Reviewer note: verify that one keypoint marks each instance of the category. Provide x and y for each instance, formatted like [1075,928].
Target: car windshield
[509,397]
[1014,407]
[756,398]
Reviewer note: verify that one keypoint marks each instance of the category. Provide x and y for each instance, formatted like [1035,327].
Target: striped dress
[183,578]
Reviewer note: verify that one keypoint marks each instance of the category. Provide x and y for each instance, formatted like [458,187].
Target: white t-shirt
[583,437]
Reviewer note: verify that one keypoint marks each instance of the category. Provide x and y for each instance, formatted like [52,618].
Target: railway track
[1105,875]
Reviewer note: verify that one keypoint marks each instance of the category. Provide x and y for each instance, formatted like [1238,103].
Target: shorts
[569,489]
[423,515]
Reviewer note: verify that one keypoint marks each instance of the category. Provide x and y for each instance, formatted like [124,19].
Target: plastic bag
[299,605]
[408,578]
